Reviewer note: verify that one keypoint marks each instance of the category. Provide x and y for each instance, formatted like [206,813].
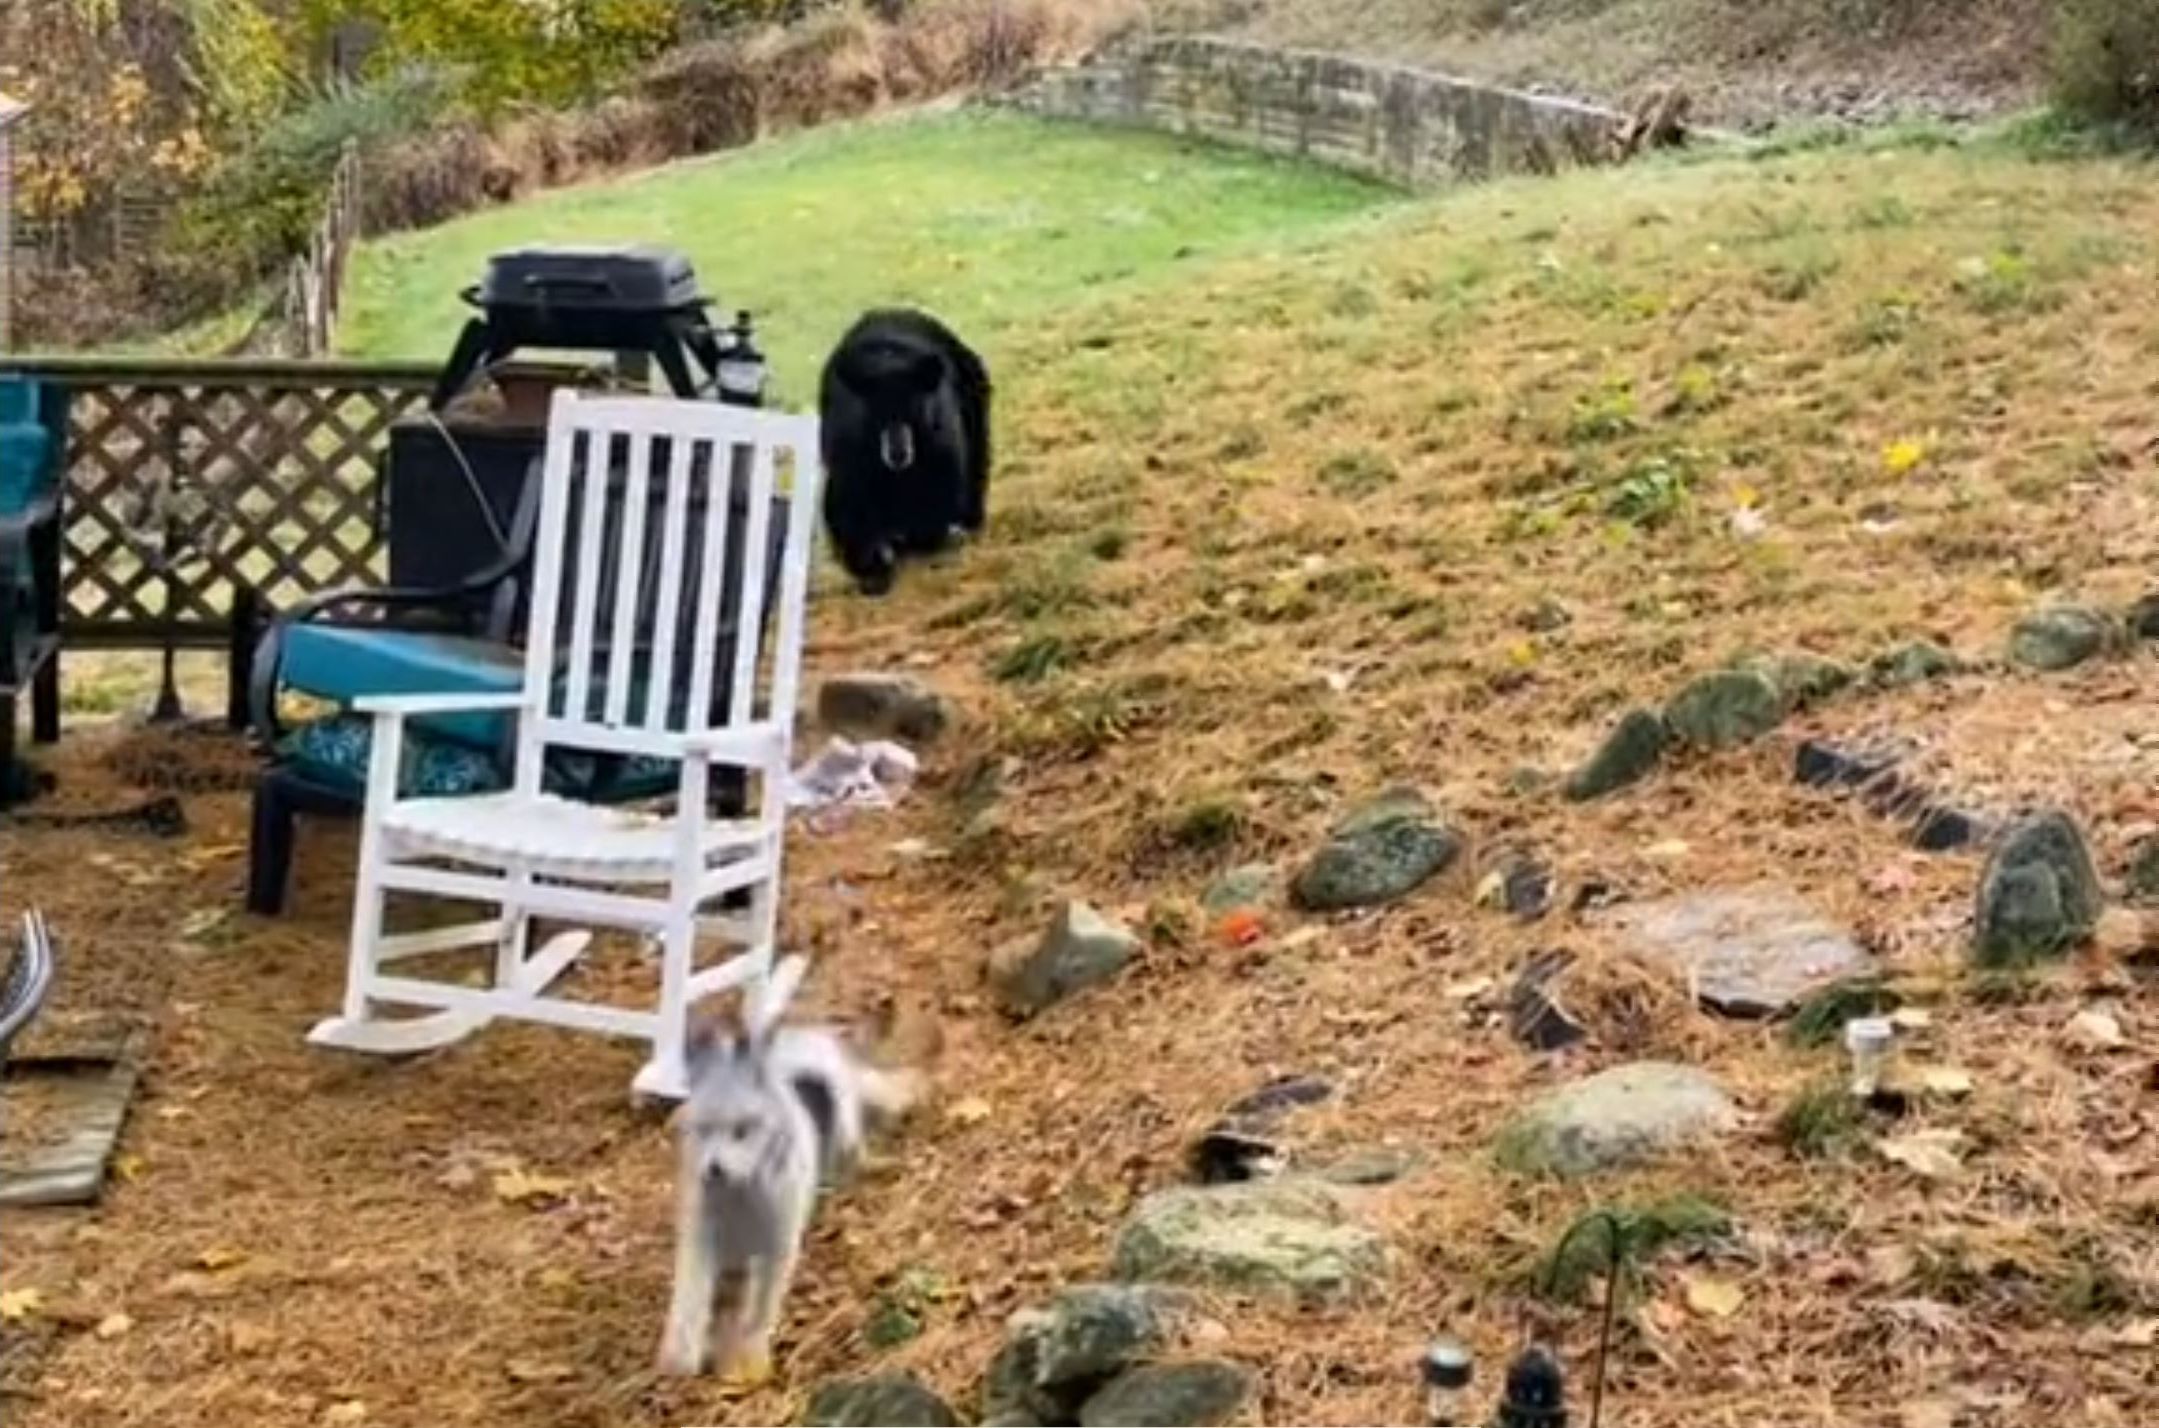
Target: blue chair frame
[30,570]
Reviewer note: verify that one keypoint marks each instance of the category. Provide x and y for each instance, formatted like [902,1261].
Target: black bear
[905,407]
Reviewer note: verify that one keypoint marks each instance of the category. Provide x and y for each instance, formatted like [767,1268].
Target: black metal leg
[677,370]
[269,848]
[14,779]
[45,700]
[240,655]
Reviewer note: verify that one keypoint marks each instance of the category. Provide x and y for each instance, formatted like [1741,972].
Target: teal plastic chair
[350,645]
[33,423]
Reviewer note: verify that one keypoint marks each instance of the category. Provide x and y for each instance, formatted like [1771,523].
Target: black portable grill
[635,299]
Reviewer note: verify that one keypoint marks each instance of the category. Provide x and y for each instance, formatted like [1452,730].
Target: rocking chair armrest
[747,745]
[407,706]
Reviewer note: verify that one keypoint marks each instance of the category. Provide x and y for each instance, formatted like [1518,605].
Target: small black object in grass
[1941,829]
[1532,1015]
[1536,1395]
[1526,888]
[1226,1156]
[1281,1094]
[1823,765]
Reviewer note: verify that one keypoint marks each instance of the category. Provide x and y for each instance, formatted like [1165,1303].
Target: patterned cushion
[333,751]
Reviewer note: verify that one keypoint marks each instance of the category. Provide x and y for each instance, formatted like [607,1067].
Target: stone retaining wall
[1406,126]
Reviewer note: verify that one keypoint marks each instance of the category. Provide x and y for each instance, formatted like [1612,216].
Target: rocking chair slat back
[659,597]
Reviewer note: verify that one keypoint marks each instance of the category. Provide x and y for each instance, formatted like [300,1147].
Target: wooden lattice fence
[258,473]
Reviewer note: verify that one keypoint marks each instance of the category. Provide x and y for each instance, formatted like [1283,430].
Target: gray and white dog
[770,1112]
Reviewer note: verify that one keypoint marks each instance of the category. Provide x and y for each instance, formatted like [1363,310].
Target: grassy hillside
[1426,498]
[989,220]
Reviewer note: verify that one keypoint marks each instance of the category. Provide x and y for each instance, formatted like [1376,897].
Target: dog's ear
[708,1041]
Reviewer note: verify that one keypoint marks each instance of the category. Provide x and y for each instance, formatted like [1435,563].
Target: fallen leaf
[968,1111]
[2140,1334]
[19,1304]
[129,1168]
[219,1257]
[1890,1265]
[1241,928]
[1931,1413]
[1920,1080]
[1934,1154]
[1892,878]
[352,1410]
[2094,1030]
[1946,1080]
[1713,1298]
[1491,888]
[533,1371]
[112,1326]
[201,920]
[517,1186]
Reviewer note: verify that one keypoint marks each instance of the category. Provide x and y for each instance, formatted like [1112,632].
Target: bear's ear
[926,373]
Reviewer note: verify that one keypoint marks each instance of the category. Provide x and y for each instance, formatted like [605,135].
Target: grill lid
[638,278]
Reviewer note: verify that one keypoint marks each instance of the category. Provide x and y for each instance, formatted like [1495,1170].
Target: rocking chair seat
[558,838]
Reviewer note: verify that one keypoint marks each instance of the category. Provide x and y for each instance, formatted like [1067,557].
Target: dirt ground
[1262,544]
[481,1236]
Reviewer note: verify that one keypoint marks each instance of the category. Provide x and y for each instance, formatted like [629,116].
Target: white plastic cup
[1868,1039]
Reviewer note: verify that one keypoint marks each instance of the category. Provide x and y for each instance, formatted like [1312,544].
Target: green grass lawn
[988,219]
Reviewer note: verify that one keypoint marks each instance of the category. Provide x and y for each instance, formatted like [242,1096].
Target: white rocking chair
[647,673]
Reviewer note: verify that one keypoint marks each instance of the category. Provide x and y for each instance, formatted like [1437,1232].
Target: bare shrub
[2105,62]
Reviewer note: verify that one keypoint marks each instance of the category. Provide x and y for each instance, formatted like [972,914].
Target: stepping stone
[1188,1395]
[1290,1237]
[2061,637]
[1802,680]
[882,706]
[1618,1117]
[1915,663]
[1629,754]
[2141,882]
[1081,949]
[1724,709]
[884,1400]
[1381,853]
[2039,894]
[2144,617]
[1252,885]
[1057,1354]
[1753,952]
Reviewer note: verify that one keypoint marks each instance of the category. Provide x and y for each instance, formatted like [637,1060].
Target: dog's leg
[887,1094]
[763,1295]
[688,1335]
